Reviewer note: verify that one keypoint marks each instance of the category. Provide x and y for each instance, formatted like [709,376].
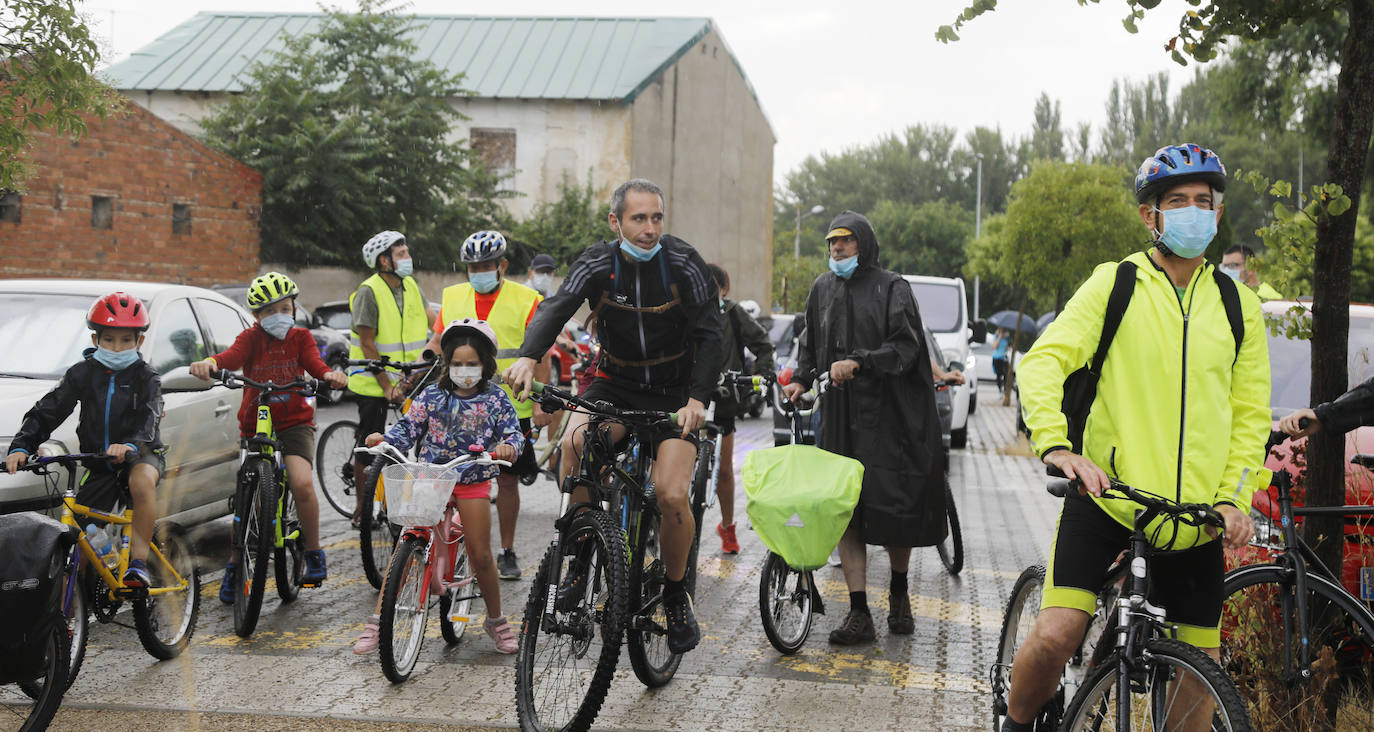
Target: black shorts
[1186,583]
[372,413]
[726,413]
[604,390]
[104,486]
[523,465]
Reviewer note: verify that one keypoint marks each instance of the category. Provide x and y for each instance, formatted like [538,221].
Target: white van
[944,310]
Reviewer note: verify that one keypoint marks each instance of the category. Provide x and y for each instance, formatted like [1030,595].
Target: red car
[1290,369]
[572,347]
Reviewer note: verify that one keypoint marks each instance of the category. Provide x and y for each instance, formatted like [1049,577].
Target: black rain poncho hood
[863,231]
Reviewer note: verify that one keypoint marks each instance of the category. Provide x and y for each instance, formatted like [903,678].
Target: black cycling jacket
[1355,408]
[658,321]
[116,407]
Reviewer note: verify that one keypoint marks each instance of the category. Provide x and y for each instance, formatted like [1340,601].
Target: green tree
[46,80]
[792,278]
[926,239]
[350,133]
[564,227]
[1047,136]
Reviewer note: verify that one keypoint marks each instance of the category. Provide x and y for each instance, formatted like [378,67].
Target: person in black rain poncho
[864,328]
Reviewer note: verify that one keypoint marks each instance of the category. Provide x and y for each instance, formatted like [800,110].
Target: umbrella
[1008,318]
[1043,322]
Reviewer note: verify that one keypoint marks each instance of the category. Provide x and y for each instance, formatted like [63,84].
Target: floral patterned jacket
[445,424]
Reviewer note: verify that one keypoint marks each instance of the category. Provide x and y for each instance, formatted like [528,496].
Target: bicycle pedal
[312,585]
[131,593]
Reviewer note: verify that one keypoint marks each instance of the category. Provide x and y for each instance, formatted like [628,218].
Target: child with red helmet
[121,404]
[277,350]
[464,408]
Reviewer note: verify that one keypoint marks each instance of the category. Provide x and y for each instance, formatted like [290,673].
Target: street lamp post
[796,241]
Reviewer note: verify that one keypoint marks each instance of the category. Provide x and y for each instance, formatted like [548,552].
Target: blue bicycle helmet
[484,246]
[1175,164]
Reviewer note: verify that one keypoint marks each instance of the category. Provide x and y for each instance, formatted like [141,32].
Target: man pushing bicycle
[657,314]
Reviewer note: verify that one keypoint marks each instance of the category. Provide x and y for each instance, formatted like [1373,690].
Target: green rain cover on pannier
[800,500]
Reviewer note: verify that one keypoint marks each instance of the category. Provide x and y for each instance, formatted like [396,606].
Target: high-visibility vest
[507,317]
[400,335]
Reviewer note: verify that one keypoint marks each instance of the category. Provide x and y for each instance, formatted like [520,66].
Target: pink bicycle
[419,499]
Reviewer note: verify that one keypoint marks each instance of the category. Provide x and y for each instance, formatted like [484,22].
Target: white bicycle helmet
[379,244]
[751,307]
[470,325]
[484,246]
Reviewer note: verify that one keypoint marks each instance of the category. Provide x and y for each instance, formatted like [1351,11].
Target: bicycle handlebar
[555,399]
[475,457]
[39,463]
[375,365]
[1193,514]
[307,387]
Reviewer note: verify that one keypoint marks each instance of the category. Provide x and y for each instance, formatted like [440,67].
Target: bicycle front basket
[800,500]
[416,494]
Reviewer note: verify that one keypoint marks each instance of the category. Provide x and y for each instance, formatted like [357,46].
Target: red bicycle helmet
[118,310]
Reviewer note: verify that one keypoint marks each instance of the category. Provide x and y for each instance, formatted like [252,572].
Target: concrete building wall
[700,134]
[141,168]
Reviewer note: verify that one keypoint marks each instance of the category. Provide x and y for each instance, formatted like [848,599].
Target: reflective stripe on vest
[401,335]
[507,317]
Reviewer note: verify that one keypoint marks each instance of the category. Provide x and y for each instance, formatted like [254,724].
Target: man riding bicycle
[1181,411]
[658,317]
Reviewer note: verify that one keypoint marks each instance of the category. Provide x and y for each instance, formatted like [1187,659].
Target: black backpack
[1080,388]
[34,550]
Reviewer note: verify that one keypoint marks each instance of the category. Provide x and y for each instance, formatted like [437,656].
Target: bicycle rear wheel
[405,610]
[289,558]
[647,633]
[334,465]
[570,638]
[785,596]
[256,509]
[166,620]
[952,548]
[376,535]
[1157,702]
[1260,643]
[33,710]
[1022,610]
[462,570]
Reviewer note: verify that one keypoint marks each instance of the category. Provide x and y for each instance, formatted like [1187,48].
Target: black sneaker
[899,619]
[856,628]
[683,632]
[507,566]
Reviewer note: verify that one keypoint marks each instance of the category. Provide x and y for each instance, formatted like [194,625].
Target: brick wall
[144,166]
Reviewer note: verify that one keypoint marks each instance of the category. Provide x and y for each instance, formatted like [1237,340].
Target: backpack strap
[1122,289]
[1230,300]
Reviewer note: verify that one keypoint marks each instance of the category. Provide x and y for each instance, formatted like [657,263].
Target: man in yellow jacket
[507,307]
[1182,410]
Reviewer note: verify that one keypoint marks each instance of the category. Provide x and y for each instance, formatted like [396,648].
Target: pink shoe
[501,634]
[367,642]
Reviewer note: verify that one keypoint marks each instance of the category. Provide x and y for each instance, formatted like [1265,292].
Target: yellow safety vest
[401,335]
[507,317]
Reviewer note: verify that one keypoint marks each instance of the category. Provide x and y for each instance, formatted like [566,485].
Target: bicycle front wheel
[166,618]
[334,465]
[376,536]
[405,610]
[1022,610]
[33,710]
[1178,687]
[647,633]
[952,548]
[289,559]
[1260,644]
[570,638]
[255,512]
[785,604]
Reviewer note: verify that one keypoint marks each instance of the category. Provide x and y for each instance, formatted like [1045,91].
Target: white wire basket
[416,494]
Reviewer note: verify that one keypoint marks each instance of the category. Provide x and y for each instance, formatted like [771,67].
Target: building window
[181,219]
[495,151]
[10,207]
[102,212]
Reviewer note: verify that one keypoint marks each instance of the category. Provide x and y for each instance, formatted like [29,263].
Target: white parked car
[944,310]
[43,329]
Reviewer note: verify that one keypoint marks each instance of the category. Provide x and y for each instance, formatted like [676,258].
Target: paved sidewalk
[298,664]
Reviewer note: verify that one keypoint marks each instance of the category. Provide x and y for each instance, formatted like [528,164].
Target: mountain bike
[164,614]
[421,499]
[601,577]
[1285,620]
[266,526]
[1139,676]
[334,450]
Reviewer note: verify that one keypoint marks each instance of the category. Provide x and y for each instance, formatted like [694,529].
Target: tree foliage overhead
[46,80]
[564,227]
[351,134]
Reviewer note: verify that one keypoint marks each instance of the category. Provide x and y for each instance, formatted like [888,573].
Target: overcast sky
[833,75]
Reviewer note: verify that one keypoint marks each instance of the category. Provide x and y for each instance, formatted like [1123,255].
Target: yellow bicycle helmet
[268,288]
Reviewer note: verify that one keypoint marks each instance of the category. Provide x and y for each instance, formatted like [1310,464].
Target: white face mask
[541,282]
[465,377]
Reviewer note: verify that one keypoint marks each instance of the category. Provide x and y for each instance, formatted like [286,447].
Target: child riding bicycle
[464,408]
[275,350]
[121,404]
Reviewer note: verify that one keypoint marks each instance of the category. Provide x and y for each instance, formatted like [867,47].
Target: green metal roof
[502,57]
